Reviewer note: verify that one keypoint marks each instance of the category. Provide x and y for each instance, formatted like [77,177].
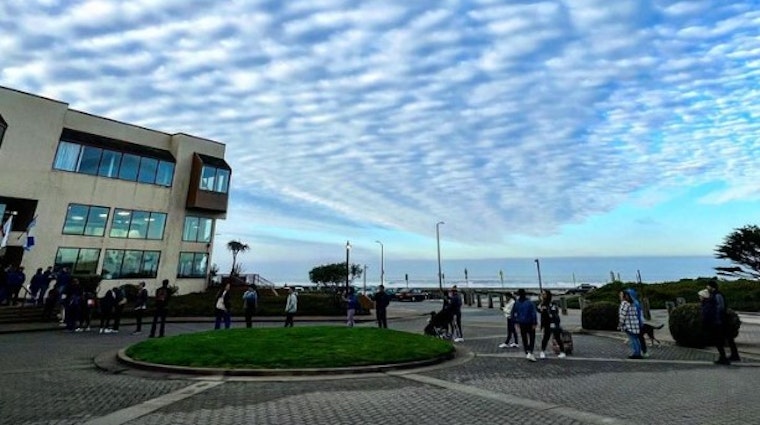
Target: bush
[601,316]
[687,329]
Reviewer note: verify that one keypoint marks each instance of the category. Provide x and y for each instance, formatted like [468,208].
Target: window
[85,220]
[197,229]
[138,224]
[125,264]
[100,156]
[192,264]
[3,127]
[78,260]
[215,179]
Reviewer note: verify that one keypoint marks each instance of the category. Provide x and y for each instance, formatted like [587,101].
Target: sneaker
[561,355]
[513,345]
[108,331]
[460,339]
[101,330]
[723,361]
[503,345]
[645,355]
[531,357]
[635,357]
[78,330]
[115,331]
[735,359]
[542,355]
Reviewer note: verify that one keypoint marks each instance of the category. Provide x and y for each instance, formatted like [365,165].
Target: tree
[236,247]
[741,247]
[334,274]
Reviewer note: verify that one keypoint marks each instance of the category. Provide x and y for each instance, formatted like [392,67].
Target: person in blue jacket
[524,315]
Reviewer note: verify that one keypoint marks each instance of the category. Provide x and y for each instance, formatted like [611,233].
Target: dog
[648,330]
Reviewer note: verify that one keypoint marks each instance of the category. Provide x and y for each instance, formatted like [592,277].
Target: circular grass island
[308,349]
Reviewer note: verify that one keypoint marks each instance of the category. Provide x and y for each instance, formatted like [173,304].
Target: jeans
[222,315]
[528,334]
[249,312]
[511,332]
[158,315]
[382,318]
[635,344]
[557,333]
[350,317]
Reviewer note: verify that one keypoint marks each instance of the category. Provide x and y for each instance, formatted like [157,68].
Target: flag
[6,231]
[29,242]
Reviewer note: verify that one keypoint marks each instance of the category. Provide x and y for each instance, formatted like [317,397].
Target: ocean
[562,272]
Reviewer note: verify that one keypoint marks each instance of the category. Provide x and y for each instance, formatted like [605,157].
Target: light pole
[382,263]
[348,265]
[364,288]
[538,269]
[438,243]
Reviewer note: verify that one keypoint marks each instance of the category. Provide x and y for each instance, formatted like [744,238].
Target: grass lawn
[290,348]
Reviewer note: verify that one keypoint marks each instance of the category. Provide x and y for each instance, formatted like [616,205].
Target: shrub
[601,316]
[687,329]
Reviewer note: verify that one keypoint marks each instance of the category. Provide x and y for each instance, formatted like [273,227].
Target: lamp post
[438,244]
[382,263]
[538,269]
[348,264]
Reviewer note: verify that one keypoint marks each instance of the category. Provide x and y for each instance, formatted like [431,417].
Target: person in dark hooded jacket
[524,316]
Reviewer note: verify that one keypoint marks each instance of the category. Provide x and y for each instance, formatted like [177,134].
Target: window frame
[144,215]
[139,274]
[74,267]
[197,257]
[198,229]
[86,219]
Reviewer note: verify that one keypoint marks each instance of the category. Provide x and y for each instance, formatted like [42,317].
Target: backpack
[161,295]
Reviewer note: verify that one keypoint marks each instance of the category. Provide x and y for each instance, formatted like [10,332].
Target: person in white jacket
[511,332]
[291,307]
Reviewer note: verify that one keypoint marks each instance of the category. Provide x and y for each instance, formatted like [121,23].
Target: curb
[123,359]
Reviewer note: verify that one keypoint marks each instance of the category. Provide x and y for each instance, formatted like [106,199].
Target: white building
[106,197]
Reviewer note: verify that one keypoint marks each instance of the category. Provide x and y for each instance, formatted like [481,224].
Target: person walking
[141,304]
[222,307]
[511,332]
[550,324]
[455,304]
[163,294]
[291,307]
[250,304]
[352,304]
[628,322]
[382,300]
[524,315]
[722,331]
[107,304]
[640,314]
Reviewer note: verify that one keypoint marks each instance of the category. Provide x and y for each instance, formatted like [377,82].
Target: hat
[713,283]
[704,294]
[521,292]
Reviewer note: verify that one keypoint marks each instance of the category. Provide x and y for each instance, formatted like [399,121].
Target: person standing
[550,324]
[141,304]
[16,279]
[511,332]
[291,307]
[250,303]
[524,315]
[120,300]
[35,285]
[722,331]
[73,304]
[222,307]
[628,322]
[382,300]
[163,294]
[49,277]
[352,304]
[455,304]
[107,303]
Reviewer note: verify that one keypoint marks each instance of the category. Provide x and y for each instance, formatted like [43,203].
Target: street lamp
[538,269]
[348,265]
[438,243]
[382,263]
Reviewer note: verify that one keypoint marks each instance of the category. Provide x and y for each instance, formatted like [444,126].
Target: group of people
[522,314]
[715,319]
[223,306]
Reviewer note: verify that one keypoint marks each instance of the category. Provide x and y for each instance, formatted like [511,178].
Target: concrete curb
[124,359]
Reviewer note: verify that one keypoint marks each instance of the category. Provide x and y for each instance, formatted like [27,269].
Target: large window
[130,264]
[192,264]
[215,179]
[137,224]
[85,220]
[95,161]
[197,229]
[78,260]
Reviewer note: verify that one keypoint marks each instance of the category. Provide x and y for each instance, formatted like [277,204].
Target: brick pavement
[49,378]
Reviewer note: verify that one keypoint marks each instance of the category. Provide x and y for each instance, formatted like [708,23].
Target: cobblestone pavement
[50,378]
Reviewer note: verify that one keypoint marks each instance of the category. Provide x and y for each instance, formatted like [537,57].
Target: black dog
[648,330]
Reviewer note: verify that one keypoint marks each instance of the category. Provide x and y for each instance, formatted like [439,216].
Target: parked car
[581,289]
[410,295]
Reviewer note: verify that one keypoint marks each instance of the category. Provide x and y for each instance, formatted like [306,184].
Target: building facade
[104,197]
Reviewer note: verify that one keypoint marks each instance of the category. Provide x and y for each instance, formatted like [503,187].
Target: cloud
[497,118]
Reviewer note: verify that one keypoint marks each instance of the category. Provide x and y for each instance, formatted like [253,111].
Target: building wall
[26,160]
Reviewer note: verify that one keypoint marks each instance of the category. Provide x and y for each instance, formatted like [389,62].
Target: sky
[532,129]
